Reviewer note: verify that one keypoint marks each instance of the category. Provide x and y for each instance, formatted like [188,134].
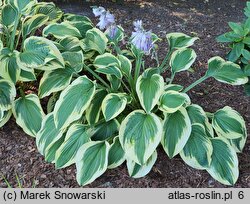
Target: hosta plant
[23,56]
[113,108]
[239,42]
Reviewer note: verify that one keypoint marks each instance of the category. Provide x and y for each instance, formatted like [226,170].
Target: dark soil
[206,19]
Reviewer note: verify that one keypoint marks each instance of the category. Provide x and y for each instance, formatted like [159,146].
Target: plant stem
[172,78]
[22,93]
[117,48]
[6,182]
[18,37]
[17,41]
[96,76]
[130,91]
[22,46]
[137,68]
[13,35]
[209,115]
[126,87]
[7,38]
[18,181]
[165,60]
[196,83]
[101,86]
[136,74]
[131,84]
[156,57]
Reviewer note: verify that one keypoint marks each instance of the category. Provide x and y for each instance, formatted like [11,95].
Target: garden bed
[206,19]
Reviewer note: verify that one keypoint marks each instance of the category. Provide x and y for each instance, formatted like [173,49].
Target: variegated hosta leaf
[74,59]
[182,59]
[9,68]
[149,88]
[94,109]
[70,44]
[137,171]
[198,115]
[28,113]
[26,76]
[128,54]
[91,161]
[114,82]
[176,132]
[61,30]
[50,10]
[76,18]
[116,154]
[180,40]
[113,104]
[52,101]
[5,117]
[238,144]
[229,123]
[171,101]
[54,81]
[226,72]
[3,28]
[1,43]
[173,87]
[23,5]
[51,65]
[32,23]
[5,51]
[7,93]
[38,52]
[51,150]
[47,134]
[140,133]
[246,69]
[89,55]
[224,165]
[1,114]
[73,101]
[8,15]
[198,150]
[126,65]
[82,23]
[76,136]
[112,70]
[105,130]
[106,60]
[108,64]
[95,40]
[59,46]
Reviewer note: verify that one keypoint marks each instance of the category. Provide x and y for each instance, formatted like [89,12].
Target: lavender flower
[98,11]
[142,39]
[138,25]
[106,21]
[106,18]
[112,31]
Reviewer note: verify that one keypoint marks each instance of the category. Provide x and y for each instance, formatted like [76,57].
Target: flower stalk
[96,76]
[196,83]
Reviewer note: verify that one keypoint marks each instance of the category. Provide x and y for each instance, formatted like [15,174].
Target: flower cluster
[106,21]
[142,39]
